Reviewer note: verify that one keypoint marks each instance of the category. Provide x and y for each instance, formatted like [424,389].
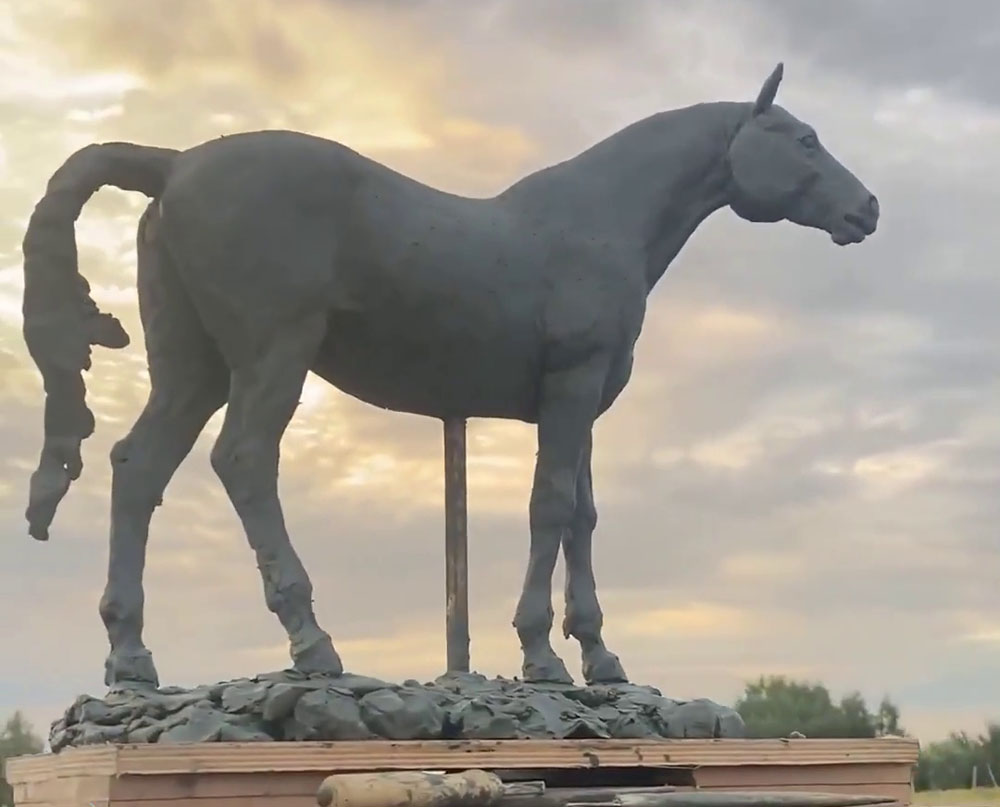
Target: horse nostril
[873,205]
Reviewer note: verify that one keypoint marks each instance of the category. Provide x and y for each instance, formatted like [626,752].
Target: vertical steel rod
[456,546]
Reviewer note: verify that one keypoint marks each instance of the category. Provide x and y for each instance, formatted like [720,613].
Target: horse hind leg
[188,384]
[263,396]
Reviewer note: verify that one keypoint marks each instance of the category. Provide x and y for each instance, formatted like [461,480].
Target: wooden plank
[370,755]
[602,776]
[456,546]
[97,760]
[562,796]
[280,791]
[810,776]
[223,801]
[743,798]
[185,787]
[217,785]
[64,790]
[291,801]
[902,793]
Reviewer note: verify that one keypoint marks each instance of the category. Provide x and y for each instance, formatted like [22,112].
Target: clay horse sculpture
[265,255]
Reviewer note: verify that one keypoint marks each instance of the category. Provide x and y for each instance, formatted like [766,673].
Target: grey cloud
[975,683]
[880,42]
[905,323]
[897,42]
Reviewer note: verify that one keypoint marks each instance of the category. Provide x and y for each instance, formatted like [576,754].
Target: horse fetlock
[583,624]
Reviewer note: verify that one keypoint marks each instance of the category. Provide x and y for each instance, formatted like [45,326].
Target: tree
[776,707]
[887,719]
[990,744]
[948,764]
[16,738]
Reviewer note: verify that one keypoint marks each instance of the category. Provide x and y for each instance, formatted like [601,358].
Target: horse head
[781,171]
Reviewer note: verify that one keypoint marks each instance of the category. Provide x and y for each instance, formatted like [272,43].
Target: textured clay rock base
[290,706]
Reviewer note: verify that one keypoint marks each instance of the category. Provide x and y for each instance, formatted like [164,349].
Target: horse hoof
[601,666]
[544,666]
[133,668]
[318,658]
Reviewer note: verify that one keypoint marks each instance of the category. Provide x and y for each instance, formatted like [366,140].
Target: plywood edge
[808,776]
[900,793]
[59,790]
[117,760]
[91,761]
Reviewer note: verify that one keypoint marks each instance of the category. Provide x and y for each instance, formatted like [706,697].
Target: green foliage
[887,719]
[776,707]
[948,764]
[16,739]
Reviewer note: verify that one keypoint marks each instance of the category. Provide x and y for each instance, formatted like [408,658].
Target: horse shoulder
[594,304]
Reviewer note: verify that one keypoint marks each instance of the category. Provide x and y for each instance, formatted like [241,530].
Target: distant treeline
[777,706]
[16,739]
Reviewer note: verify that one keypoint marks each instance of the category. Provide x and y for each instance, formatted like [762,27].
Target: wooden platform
[288,774]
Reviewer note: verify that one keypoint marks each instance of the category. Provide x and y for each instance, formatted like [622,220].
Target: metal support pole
[456,546]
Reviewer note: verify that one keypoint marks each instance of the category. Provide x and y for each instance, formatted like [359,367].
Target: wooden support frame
[286,774]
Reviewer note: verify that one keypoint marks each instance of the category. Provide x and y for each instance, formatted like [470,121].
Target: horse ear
[770,89]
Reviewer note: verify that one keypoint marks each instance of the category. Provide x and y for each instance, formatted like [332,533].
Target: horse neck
[650,185]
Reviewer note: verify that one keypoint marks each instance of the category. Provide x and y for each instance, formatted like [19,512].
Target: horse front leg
[569,403]
[584,619]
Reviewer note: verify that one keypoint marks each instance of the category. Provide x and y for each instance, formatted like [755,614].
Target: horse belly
[427,364]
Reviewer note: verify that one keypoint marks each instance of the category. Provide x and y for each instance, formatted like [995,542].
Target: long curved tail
[61,321]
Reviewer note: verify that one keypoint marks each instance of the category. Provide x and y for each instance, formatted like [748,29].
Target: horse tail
[61,320]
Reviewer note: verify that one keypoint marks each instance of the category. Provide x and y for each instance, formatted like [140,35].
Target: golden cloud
[350,73]
[692,619]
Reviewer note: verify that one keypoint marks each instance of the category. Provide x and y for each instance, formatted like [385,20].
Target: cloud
[699,620]
[809,443]
[895,42]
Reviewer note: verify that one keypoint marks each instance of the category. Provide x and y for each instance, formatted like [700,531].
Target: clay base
[288,706]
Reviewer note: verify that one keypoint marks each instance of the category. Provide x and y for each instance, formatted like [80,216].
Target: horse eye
[810,141]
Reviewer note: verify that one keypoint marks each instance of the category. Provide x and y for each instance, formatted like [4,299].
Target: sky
[802,476]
